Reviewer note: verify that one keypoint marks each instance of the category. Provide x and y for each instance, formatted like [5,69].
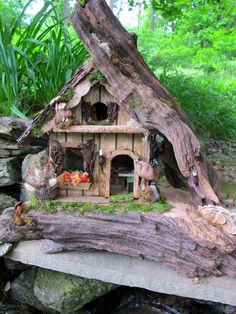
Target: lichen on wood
[67,96]
[96,77]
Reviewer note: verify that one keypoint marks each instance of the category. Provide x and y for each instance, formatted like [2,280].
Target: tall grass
[35,61]
[208,100]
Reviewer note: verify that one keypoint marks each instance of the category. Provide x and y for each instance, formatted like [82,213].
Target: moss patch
[82,2]
[118,203]
[134,102]
[67,96]
[37,131]
[96,77]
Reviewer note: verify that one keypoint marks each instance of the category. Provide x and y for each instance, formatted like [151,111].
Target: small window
[73,160]
[98,112]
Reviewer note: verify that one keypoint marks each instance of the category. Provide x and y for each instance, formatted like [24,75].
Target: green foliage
[82,2]
[192,51]
[33,202]
[121,198]
[36,60]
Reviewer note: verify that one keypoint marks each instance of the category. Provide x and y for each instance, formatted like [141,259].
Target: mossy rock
[67,293]
[6,201]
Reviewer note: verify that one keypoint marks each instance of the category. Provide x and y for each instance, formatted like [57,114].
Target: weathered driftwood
[189,244]
[134,86]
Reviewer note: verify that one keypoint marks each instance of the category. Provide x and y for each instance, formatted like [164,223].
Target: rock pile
[11,157]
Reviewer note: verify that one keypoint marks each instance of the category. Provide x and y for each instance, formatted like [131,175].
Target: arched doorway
[120,175]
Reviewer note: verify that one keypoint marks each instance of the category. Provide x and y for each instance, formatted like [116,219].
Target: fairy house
[100,139]
[106,123]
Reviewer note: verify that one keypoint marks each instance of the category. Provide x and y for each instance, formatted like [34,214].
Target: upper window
[98,112]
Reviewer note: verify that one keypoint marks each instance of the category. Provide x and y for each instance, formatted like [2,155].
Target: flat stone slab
[127,271]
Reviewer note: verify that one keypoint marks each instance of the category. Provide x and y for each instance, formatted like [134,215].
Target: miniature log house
[107,128]
[98,136]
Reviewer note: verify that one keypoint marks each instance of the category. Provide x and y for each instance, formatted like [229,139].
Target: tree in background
[192,50]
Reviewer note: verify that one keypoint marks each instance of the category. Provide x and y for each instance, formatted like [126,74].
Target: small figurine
[20,219]
[63,118]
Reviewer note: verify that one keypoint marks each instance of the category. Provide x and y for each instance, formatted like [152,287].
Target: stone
[127,271]
[31,162]
[12,127]
[6,201]
[9,171]
[10,130]
[16,308]
[22,290]
[67,293]
[5,248]
[13,265]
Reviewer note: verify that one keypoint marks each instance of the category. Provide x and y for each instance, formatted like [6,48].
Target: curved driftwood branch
[136,88]
[188,244]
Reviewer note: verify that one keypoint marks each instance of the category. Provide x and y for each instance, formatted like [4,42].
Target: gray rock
[56,292]
[13,265]
[6,201]
[9,171]
[12,127]
[10,130]
[127,271]
[22,289]
[16,308]
[31,162]
[5,248]
[67,293]
[13,150]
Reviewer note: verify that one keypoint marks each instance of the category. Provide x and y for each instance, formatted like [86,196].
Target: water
[125,300]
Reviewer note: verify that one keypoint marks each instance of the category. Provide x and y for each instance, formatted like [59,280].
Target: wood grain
[187,244]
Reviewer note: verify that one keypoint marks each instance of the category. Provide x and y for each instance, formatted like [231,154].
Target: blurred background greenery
[189,45]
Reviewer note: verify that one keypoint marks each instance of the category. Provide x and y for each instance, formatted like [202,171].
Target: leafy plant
[36,60]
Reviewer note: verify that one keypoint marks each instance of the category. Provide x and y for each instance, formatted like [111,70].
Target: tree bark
[136,88]
[66,11]
[187,244]
[151,16]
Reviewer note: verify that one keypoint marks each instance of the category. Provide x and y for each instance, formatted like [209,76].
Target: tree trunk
[187,244]
[139,13]
[66,11]
[151,16]
[135,87]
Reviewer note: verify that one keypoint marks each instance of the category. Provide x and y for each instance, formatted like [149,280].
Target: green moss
[101,122]
[118,203]
[96,77]
[37,131]
[82,2]
[67,96]
[134,102]
[33,202]
[121,198]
